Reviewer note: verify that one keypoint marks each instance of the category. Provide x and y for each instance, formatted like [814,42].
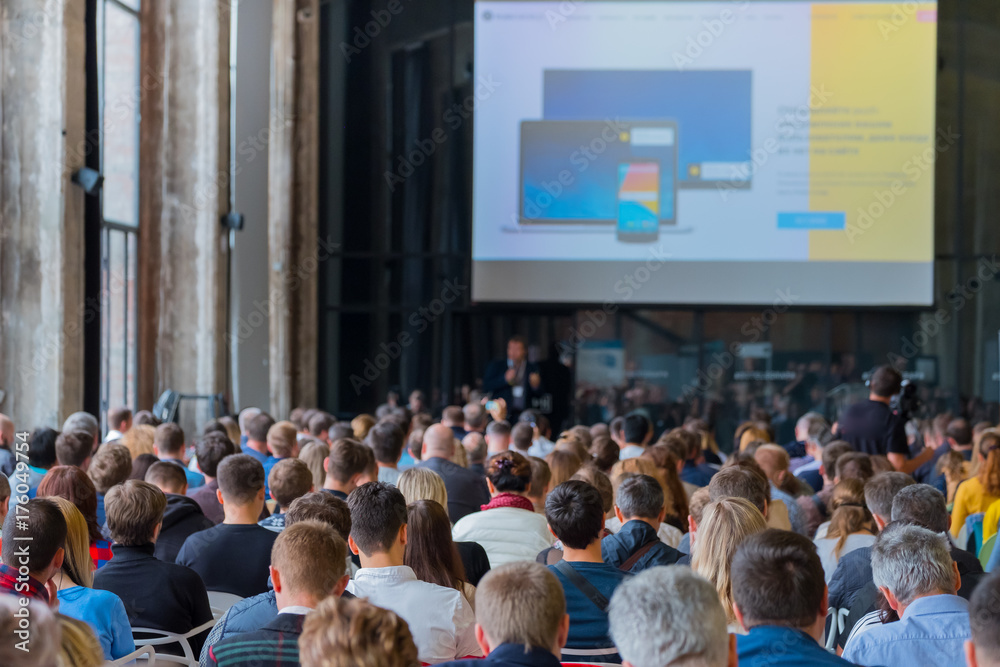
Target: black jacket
[232,558]
[182,518]
[618,548]
[156,595]
[467,491]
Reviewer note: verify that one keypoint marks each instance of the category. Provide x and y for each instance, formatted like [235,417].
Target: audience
[670,617]
[637,432]
[289,479]
[307,564]
[111,465]
[211,450]
[386,441]
[467,491]
[349,465]
[156,594]
[440,618]
[355,633]
[508,527]
[182,516]
[168,445]
[210,552]
[72,483]
[639,507]
[851,525]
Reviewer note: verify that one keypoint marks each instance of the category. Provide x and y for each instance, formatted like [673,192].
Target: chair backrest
[989,546]
[221,602]
[154,637]
[974,529]
[133,658]
[838,619]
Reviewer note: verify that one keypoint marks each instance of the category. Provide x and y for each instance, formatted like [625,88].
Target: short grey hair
[912,561]
[921,505]
[82,421]
[639,496]
[669,616]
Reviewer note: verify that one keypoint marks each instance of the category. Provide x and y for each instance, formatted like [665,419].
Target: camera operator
[872,427]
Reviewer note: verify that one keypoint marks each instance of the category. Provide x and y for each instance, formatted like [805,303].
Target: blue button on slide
[812,220]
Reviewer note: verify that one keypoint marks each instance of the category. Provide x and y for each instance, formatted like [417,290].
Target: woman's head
[668,464]
[751,435]
[422,484]
[71,483]
[605,452]
[430,551]
[724,525]
[510,472]
[989,456]
[139,439]
[77,564]
[563,464]
[848,512]
[314,454]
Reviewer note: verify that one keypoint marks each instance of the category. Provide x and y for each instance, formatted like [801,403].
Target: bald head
[6,431]
[439,441]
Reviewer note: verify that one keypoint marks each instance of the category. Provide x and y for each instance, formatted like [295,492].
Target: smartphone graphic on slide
[639,201]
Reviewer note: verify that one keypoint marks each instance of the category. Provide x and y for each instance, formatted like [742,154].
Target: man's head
[378,520]
[637,429]
[778,580]
[541,476]
[670,616]
[475,417]
[241,482]
[112,464]
[885,382]
[211,449]
[741,481]
[909,562]
[168,443]
[983,650]
[575,514]
[34,537]
[282,440]
[386,440]
[320,424]
[497,437]
[323,507]
[42,448]
[349,465]
[289,479]
[831,454]
[439,442]
[522,604]
[774,461]
[167,477]
[921,505]
[810,421]
[258,427]
[959,433]
[134,511]
[521,436]
[308,562]
[880,491]
[854,465]
[640,497]
[452,416]
[517,349]
[355,633]
[475,447]
[120,418]
[86,422]
[246,416]
[74,448]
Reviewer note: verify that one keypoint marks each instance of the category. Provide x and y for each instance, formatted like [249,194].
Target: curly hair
[355,633]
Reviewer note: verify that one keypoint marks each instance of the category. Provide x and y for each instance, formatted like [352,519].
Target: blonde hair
[642,466]
[422,484]
[79,646]
[724,525]
[77,564]
[520,603]
[310,556]
[848,513]
[282,438]
[459,456]
[313,454]
[41,639]
[751,435]
[139,440]
[361,425]
[563,464]
[355,633]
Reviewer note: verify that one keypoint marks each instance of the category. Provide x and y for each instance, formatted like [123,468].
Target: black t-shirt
[231,558]
[872,428]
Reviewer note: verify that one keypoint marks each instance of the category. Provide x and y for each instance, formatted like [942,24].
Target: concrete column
[42,116]
[184,190]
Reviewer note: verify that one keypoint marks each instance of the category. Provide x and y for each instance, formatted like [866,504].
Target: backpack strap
[585,586]
[634,558]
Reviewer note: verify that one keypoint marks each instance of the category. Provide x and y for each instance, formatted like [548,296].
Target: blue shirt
[795,516]
[931,632]
[588,625]
[194,479]
[247,449]
[104,612]
[778,646]
[699,475]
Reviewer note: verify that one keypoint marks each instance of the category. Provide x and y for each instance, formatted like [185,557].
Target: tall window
[121,89]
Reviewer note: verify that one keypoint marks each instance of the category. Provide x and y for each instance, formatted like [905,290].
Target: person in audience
[423,484]
[71,483]
[913,569]
[467,491]
[244,419]
[637,431]
[87,423]
[851,525]
[983,648]
[639,506]
[307,564]
[386,440]
[508,527]
[355,633]
[314,455]
[497,437]
[139,438]
[253,613]
[111,465]
[440,618]
[686,446]
[38,644]
[667,464]
[605,452]
[779,598]
[562,465]
[168,445]
[520,438]
[774,461]
[74,448]
[956,436]
[696,508]
[210,552]
[592,475]
[119,422]
[521,620]
[140,465]
[282,443]
[670,616]
[102,610]
[979,492]
[24,480]
[361,425]
[575,516]
[182,516]
[453,418]
[349,465]
[816,435]
[726,524]
[541,482]
[211,450]
[430,551]
[475,449]
[27,571]
[158,595]
[475,418]
[739,481]
[669,533]
[289,479]
[320,425]
[855,465]
[78,646]
[256,437]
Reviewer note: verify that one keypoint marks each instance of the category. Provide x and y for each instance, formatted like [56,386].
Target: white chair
[162,638]
[838,619]
[221,602]
[148,651]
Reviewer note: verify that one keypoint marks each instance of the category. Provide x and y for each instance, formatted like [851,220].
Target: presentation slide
[736,152]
